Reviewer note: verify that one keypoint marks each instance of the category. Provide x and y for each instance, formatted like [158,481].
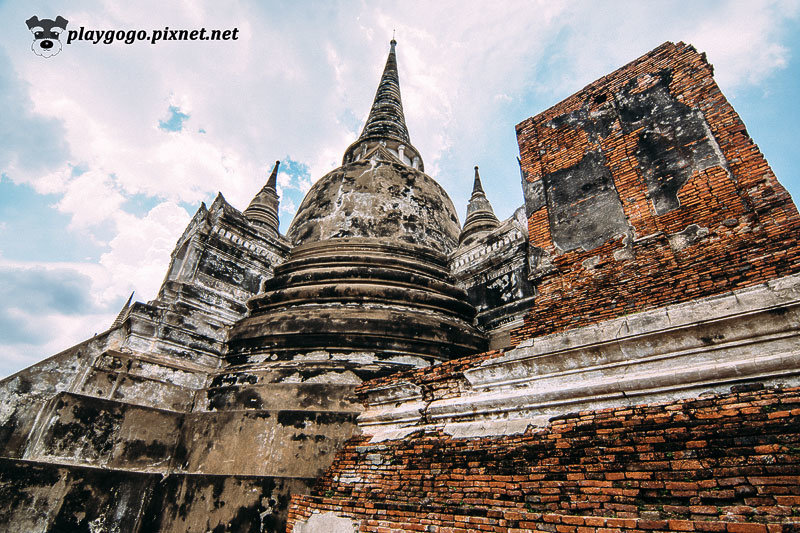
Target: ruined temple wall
[220,261]
[725,462]
[158,354]
[644,189]
[23,394]
[39,497]
[88,436]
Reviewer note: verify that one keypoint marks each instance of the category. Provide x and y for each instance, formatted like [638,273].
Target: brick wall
[724,463]
[644,189]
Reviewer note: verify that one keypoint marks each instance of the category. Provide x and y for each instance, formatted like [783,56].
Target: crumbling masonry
[621,354]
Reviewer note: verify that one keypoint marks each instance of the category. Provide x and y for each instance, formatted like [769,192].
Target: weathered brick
[747,528]
[649,273]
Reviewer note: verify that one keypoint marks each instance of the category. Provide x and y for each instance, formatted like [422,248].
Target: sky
[107,150]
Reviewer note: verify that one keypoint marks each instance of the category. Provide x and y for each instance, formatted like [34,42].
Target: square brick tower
[644,189]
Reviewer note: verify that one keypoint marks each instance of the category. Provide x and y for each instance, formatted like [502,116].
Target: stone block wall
[728,462]
[644,189]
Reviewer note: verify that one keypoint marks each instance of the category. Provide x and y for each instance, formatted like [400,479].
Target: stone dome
[381,199]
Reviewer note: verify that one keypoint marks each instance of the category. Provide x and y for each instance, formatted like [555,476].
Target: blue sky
[107,150]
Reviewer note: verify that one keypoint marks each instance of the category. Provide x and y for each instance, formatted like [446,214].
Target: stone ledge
[671,353]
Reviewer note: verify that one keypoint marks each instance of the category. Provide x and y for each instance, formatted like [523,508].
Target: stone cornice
[674,352]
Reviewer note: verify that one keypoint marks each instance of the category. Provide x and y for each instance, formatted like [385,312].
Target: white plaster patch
[409,360]
[393,433]
[591,263]
[294,378]
[347,378]
[493,428]
[319,355]
[363,358]
[327,523]
[395,392]
[687,237]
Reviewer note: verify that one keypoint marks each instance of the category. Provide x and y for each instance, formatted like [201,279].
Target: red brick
[681,525]
[746,528]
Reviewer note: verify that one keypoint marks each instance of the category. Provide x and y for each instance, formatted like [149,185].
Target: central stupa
[368,270]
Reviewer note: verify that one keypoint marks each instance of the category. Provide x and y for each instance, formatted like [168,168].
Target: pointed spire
[480,215]
[123,314]
[386,120]
[476,185]
[263,210]
[386,124]
[272,181]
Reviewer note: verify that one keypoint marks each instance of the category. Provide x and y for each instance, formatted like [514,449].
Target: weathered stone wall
[728,462]
[679,351]
[221,260]
[90,436]
[77,429]
[39,497]
[47,497]
[23,394]
[644,189]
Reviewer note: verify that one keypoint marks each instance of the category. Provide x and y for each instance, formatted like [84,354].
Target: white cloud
[140,252]
[754,53]
[48,307]
[283,179]
[90,199]
[287,206]
[63,331]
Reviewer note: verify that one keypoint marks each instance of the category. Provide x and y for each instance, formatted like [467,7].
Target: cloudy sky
[106,150]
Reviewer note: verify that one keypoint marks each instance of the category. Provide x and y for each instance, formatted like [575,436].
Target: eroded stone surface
[377,199]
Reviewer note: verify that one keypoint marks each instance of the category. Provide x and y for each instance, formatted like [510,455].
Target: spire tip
[272,180]
[476,186]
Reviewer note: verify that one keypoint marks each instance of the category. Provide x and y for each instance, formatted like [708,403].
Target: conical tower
[368,273]
[480,215]
[386,125]
[263,209]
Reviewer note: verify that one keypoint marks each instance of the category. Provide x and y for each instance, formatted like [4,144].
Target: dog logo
[46,35]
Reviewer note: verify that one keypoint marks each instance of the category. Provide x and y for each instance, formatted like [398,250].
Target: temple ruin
[621,354]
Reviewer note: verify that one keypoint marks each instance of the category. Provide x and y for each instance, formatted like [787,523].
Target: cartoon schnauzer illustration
[45,35]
